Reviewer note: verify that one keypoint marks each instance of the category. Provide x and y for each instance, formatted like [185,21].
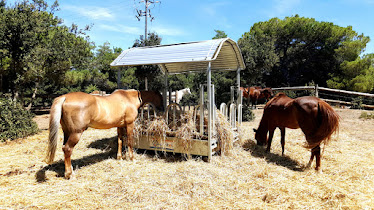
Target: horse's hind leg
[121,133]
[283,134]
[316,151]
[68,150]
[130,139]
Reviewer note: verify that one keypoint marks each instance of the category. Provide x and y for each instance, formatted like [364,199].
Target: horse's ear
[255,130]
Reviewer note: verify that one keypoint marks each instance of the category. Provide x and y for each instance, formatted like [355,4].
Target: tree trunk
[15,95]
[33,96]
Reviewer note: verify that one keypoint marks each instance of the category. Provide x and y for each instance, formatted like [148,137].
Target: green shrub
[247,113]
[15,121]
[356,103]
[366,115]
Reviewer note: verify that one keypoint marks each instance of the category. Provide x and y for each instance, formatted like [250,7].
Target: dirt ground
[249,178]
[42,121]
[349,119]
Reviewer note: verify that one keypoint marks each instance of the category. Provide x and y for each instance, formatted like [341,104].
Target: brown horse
[316,118]
[256,93]
[77,111]
[266,93]
[245,92]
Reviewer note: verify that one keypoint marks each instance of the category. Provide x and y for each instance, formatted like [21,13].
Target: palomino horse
[77,111]
[316,118]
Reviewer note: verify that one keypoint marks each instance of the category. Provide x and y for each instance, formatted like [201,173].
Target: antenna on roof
[146,13]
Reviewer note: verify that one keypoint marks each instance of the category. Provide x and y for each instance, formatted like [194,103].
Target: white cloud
[216,13]
[282,7]
[122,29]
[212,8]
[96,13]
[167,31]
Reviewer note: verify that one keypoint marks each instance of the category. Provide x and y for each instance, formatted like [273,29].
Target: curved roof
[224,54]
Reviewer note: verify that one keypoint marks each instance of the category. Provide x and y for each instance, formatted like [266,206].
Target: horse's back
[307,102]
[82,110]
[318,120]
[280,112]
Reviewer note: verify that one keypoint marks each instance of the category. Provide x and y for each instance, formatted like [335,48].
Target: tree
[298,50]
[357,75]
[36,47]
[101,65]
[147,71]
[219,34]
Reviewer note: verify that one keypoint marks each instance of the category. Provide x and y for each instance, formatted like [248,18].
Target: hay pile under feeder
[211,55]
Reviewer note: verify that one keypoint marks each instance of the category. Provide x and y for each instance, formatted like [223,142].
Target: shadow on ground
[259,151]
[108,146]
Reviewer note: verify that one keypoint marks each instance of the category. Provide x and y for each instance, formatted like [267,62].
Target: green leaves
[36,47]
[15,121]
[297,50]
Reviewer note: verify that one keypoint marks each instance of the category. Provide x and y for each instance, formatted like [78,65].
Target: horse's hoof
[119,157]
[69,175]
[319,171]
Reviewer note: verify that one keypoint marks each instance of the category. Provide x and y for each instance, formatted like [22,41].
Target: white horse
[178,95]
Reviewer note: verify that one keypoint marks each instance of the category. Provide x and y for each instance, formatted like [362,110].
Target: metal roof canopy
[224,54]
[216,54]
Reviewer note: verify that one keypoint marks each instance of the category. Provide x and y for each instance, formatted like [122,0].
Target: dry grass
[248,178]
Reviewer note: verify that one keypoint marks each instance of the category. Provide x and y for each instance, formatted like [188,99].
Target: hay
[249,179]
[186,131]
[156,130]
[225,134]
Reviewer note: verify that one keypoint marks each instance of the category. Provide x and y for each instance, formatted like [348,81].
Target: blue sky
[178,21]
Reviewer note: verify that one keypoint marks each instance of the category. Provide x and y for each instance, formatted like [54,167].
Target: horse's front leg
[130,139]
[68,150]
[121,133]
[270,139]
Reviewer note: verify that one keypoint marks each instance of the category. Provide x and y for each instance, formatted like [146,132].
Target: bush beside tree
[15,121]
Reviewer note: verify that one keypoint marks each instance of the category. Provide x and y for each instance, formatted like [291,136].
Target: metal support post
[210,110]
[165,89]
[118,78]
[201,109]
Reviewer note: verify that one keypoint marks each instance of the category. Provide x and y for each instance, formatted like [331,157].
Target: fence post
[316,89]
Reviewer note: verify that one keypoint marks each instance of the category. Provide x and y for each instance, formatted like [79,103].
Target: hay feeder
[204,56]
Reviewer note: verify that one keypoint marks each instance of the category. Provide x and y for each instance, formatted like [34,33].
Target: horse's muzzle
[260,143]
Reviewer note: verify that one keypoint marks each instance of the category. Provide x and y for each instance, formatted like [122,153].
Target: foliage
[219,34]
[36,48]
[148,71]
[357,103]
[90,88]
[128,78]
[248,115]
[297,50]
[356,75]
[366,116]
[15,121]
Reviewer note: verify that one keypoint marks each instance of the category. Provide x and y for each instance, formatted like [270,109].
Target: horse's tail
[54,122]
[328,123]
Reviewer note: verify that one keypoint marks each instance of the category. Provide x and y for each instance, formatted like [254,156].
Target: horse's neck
[183,91]
[263,127]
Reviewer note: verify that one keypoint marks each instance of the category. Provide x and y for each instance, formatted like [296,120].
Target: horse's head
[188,90]
[261,137]
[267,93]
[154,97]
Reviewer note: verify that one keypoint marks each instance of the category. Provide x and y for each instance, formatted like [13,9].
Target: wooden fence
[330,95]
